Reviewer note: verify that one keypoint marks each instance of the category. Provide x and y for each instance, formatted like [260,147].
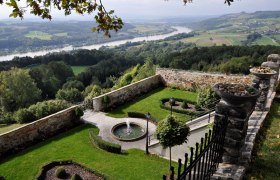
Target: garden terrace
[151,102]
[75,145]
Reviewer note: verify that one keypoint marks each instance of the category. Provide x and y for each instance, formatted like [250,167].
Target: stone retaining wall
[126,93]
[37,131]
[190,79]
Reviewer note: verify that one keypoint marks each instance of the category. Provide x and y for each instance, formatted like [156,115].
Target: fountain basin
[120,132]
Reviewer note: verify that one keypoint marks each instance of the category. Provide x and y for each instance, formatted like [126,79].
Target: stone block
[229,172]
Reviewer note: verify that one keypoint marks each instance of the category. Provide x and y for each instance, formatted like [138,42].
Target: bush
[107,146]
[24,116]
[184,105]
[136,115]
[79,112]
[45,108]
[140,115]
[71,95]
[74,84]
[183,111]
[60,173]
[76,177]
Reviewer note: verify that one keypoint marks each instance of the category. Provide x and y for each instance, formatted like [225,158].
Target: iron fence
[204,158]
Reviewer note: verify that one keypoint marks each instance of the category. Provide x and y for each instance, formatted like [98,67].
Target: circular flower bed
[67,170]
[236,94]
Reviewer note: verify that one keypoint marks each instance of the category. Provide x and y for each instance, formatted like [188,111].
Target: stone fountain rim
[128,140]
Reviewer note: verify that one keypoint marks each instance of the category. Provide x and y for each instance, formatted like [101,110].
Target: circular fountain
[128,131]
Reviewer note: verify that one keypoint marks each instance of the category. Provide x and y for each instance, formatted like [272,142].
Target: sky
[154,9]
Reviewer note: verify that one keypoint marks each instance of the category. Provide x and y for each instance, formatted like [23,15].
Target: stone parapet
[37,131]
[190,79]
[126,93]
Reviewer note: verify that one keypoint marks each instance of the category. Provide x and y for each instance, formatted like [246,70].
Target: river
[179,29]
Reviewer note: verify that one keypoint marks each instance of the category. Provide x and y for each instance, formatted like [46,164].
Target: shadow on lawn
[47,141]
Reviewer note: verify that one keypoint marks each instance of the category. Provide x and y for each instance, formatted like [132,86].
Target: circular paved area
[105,124]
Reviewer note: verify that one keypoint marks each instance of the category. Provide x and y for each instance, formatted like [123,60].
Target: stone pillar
[272,64]
[274,58]
[263,85]
[237,117]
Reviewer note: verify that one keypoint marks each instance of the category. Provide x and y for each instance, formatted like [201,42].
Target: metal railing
[204,158]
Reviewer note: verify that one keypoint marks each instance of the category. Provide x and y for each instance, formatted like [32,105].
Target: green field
[78,69]
[265,40]
[151,103]
[211,39]
[61,34]
[75,145]
[150,29]
[266,163]
[39,35]
[6,128]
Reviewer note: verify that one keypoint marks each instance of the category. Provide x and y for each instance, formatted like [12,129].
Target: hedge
[140,115]
[107,146]
[183,111]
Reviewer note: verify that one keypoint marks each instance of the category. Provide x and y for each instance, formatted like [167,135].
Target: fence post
[172,173]
[179,168]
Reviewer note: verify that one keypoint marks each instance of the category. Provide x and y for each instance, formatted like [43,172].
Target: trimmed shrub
[107,146]
[136,115]
[140,115]
[24,116]
[183,111]
[76,177]
[60,172]
[79,112]
[184,105]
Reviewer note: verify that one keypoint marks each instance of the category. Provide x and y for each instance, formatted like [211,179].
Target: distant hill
[257,21]
[258,28]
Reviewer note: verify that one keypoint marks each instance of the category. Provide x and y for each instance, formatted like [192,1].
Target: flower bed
[177,107]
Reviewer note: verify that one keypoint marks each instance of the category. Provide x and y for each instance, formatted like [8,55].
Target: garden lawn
[79,69]
[267,161]
[75,145]
[151,103]
[7,127]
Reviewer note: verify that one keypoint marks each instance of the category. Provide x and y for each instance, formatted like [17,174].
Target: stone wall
[126,93]
[37,131]
[189,79]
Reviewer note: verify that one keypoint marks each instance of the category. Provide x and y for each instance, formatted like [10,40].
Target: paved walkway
[105,124]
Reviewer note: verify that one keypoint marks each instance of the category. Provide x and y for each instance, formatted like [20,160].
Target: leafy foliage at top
[106,20]
[171,132]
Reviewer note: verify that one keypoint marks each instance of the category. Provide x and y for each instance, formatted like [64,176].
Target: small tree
[171,132]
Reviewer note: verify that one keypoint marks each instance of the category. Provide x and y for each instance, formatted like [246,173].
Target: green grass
[265,40]
[39,35]
[267,152]
[151,103]
[75,145]
[65,34]
[7,127]
[78,69]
